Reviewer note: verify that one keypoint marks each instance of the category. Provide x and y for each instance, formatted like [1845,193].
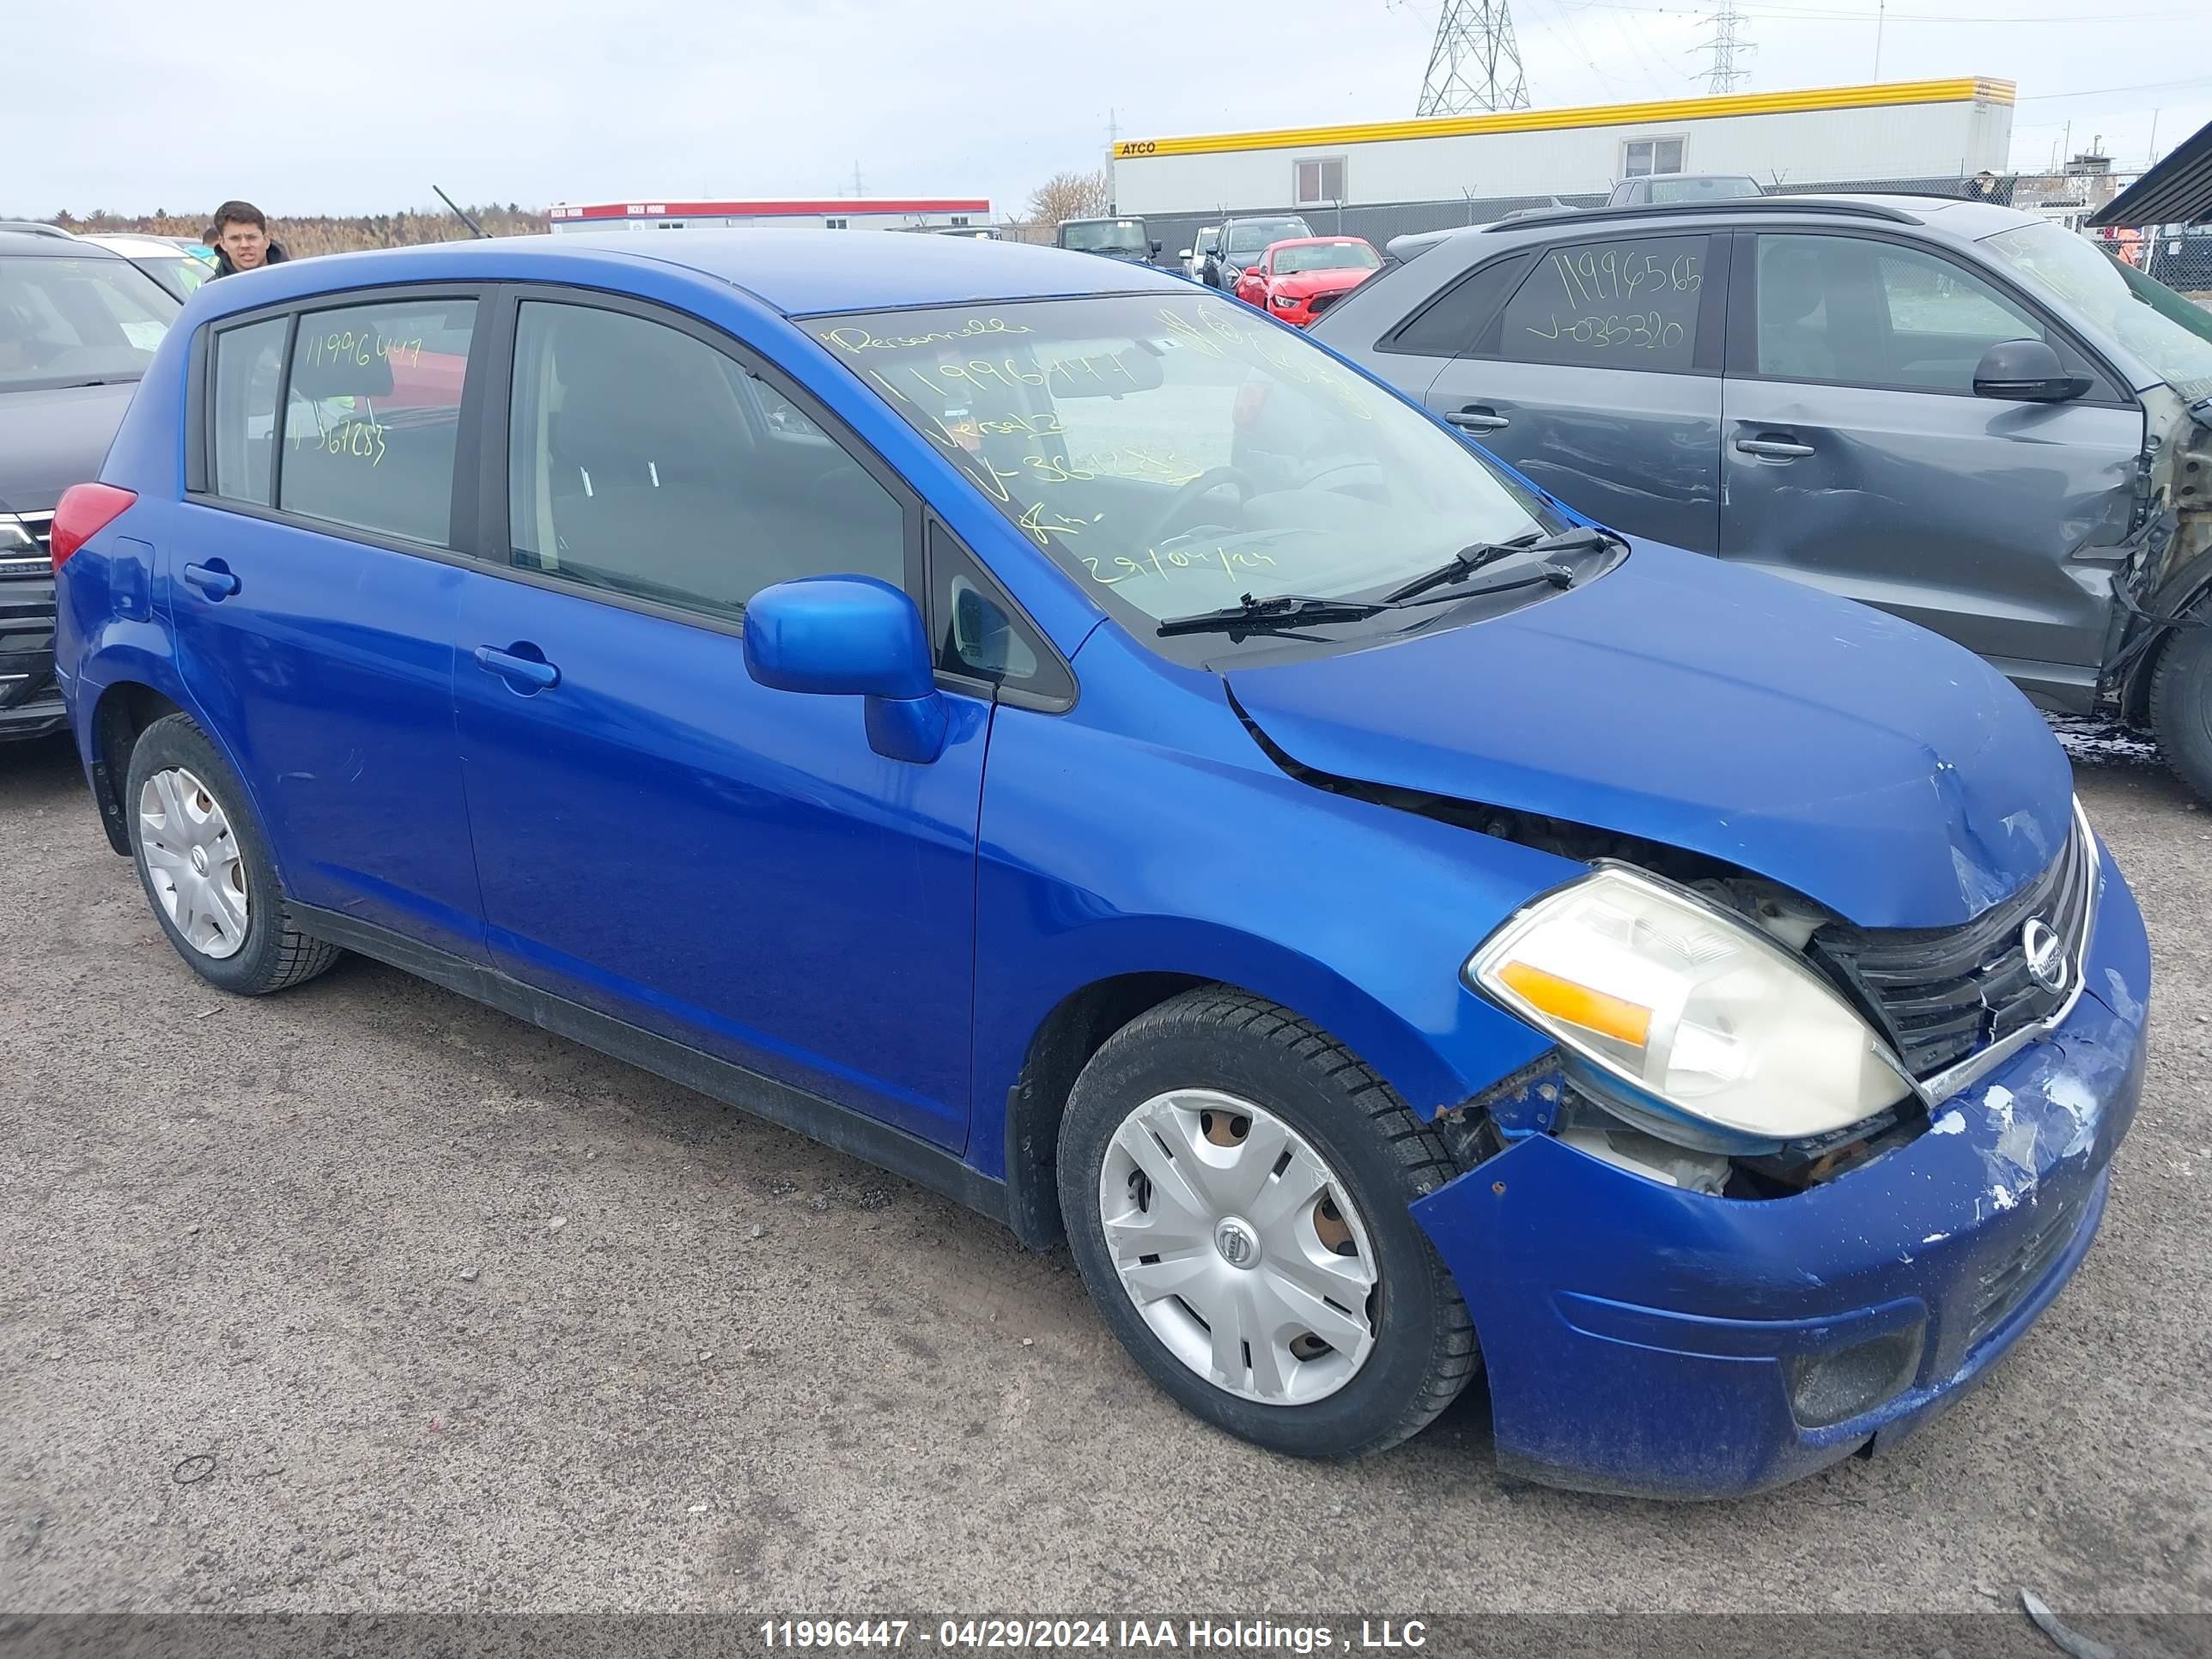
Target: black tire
[275,955]
[1214,1037]
[2181,704]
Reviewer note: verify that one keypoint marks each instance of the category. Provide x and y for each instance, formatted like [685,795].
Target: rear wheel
[2181,704]
[205,867]
[1235,1187]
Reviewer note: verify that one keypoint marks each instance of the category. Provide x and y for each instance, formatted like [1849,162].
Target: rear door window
[1624,303]
[372,416]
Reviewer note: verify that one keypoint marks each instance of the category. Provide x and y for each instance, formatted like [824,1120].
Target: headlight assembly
[1698,1014]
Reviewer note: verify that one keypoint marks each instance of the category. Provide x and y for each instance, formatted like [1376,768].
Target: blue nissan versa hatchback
[1060,735]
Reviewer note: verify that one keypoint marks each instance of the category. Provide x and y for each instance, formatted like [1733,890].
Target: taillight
[84,511]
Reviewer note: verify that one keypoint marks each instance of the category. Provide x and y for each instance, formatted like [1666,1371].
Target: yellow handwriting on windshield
[1164,565]
[851,336]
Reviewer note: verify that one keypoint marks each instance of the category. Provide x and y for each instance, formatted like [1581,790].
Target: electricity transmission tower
[1474,64]
[1724,44]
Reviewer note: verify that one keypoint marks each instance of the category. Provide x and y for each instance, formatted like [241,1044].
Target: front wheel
[1236,1186]
[2181,703]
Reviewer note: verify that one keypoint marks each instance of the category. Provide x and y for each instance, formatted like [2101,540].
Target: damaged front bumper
[1644,1338]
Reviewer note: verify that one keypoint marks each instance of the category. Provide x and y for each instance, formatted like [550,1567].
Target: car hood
[52,440]
[1879,771]
[1305,284]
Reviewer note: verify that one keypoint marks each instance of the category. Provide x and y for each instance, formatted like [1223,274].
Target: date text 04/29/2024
[1115,1635]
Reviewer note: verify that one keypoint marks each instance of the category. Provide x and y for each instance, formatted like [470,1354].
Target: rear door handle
[518,672]
[1477,419]
[212,579]
[1772,449]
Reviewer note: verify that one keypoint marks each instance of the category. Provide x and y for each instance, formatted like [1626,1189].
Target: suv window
[248,363]
[1630,303]
[643,461]
[371,412]
[1853,310]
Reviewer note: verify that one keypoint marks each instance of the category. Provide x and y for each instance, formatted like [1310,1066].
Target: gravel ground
[450,1314]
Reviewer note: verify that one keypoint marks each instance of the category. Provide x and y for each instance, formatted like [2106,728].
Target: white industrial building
[1891,130]
[830,213]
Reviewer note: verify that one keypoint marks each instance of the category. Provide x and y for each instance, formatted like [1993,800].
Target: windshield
[1102,235]
[69,321]
[1702,190]
[1176,453]
[2134,309]
[1326,256]
[1253,236]
[180,275]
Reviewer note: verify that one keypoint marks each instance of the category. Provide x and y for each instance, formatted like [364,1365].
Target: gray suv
[1962,413]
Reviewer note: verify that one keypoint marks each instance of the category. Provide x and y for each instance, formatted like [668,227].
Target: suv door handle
[213,578]
[1477,417]
[521,672]
[1772,449]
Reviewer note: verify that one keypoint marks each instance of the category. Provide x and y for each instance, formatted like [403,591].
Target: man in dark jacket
[241,241]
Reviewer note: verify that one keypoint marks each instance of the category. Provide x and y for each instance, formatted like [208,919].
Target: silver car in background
[1962,413]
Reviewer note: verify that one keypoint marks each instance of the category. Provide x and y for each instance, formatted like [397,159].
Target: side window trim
[935,529]
[496,547]
[200,396]
[1498,268]
[2109,393]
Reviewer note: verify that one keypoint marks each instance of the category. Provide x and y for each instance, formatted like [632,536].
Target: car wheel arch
[126,709]
[1080,1022]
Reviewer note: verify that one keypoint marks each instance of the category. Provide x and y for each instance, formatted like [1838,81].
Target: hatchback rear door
[310,577]
[1859,458]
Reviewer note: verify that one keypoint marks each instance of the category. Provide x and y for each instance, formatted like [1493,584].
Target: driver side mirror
[2028,372]
[1184,254]
[851,636]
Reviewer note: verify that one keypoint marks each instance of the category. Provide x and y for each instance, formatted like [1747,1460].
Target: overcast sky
[134,104]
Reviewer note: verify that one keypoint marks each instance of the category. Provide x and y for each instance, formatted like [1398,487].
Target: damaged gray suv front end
[2158,673]
[1959,413]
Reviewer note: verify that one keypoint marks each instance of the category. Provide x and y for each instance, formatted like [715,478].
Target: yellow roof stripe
[1979,88]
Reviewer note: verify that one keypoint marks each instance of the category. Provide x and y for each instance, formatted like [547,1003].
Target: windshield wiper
[1468,560]
[1277,610]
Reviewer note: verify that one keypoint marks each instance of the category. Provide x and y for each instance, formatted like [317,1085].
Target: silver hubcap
[193,860]
[1239,1247]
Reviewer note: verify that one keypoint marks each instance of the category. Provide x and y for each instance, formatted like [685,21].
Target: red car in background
[1299,280]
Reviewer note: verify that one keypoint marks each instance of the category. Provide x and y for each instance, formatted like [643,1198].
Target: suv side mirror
[1185,254]
[1157,246]
[851,636]
[2028,372]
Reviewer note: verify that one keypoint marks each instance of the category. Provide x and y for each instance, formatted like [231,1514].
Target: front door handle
[521,672]
[1772,449]
[1478,418]
[213,578]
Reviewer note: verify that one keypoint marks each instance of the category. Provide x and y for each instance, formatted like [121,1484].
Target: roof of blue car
[797,271]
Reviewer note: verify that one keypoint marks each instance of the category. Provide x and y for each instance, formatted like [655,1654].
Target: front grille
[1944,994]
[2013,1278]
[41,526]
[1321,302]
